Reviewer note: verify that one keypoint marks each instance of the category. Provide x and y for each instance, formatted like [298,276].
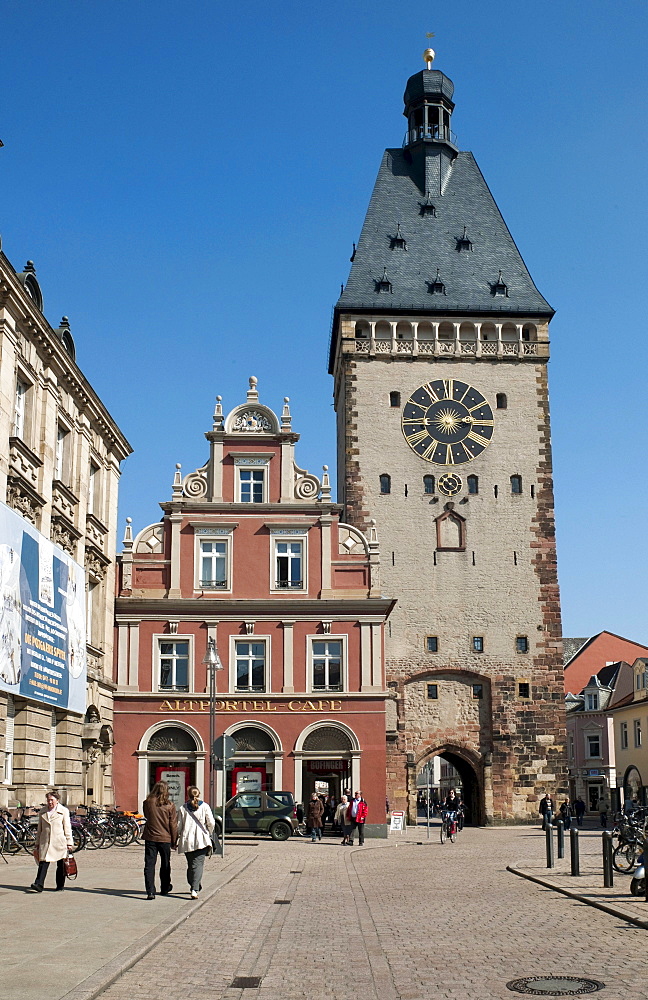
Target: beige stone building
[630,722]
[439,352]
[60,455]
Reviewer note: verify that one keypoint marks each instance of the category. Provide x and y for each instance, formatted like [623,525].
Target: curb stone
[615,911]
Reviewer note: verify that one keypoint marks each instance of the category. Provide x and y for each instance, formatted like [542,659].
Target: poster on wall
[42,617]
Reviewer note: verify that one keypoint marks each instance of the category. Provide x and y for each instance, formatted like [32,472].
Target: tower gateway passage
[439,352]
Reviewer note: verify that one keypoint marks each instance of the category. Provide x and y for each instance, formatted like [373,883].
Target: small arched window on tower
[516,484]
[473,485]
[394,399]
[501,401]
[385,483]
[428,484]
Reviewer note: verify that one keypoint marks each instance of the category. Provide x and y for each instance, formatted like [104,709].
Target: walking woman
[314,817]
[341,819]
[160,835]
[53,841]
[195,828]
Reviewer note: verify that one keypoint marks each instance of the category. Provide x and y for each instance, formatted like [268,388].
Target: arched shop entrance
[171,752]
[633,786]
[454,770]
[258,762]
[327,760]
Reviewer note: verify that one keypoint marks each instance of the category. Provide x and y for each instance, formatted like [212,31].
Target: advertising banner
[42,617]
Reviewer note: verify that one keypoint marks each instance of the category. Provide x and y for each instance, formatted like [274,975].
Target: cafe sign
[251,705]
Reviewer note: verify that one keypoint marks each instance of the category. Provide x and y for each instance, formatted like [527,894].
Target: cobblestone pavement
[392,920]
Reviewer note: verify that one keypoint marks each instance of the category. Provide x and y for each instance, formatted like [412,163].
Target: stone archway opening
[449,768]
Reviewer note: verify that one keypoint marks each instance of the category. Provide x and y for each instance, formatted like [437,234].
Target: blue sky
[189,178]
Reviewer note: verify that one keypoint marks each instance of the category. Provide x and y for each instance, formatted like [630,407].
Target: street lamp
[213,663]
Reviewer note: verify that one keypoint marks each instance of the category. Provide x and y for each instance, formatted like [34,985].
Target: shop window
[432,691]
[593,746]
[173,665]
[250,666]
[478,644]
[252,485]
[289,564]
[327,665]
[213,564]
[385,483]
[428,484]
[432,643]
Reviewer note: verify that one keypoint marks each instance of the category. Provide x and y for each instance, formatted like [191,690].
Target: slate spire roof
[463,235]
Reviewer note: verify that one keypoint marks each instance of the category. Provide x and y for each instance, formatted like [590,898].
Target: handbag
[71,868]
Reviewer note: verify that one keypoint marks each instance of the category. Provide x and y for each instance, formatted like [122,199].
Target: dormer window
[384,284]
[499,287]
[592,701]
[398,242]
[427,207]
[437,287]
[463,243]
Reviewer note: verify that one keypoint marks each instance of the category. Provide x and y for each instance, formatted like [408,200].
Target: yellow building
[630,722]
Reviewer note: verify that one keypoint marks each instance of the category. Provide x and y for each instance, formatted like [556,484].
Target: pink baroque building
[252,554]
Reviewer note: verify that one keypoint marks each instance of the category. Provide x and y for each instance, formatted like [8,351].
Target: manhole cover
[555,986]
[246,982]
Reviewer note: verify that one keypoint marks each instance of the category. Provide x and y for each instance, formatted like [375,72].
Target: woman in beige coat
[53,841]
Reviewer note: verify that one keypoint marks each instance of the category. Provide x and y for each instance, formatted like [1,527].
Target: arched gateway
[474,777]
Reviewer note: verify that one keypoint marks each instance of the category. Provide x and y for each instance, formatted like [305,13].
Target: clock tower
[439,353]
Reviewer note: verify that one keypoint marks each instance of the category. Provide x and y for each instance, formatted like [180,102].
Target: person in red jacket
[356,817]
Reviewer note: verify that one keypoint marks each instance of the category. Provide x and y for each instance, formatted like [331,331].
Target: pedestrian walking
[53,841]
[196,825]
[160,835]
[603,813]
[341,819]
[546,809]
[579,809]
[566,814]
[314,817]
[357,815]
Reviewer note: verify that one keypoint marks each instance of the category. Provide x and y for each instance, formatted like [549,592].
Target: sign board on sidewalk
[397,821]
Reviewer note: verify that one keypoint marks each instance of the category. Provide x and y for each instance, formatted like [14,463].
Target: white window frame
[211,537]
[59,456]
[624,741]
[20,407]
[310,657]
[277,536]
[94,481]
[637,732]
[592,736]
[266,640]
[251,464]
[592,701]
[158,639]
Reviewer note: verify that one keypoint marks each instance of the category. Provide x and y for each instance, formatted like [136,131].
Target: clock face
[447,422]
[450,484]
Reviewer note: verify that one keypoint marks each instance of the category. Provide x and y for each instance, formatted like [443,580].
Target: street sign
[397,820]
[224,746]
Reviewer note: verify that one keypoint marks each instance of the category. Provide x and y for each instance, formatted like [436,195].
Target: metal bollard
[574,851]
[560,829]
[608,871]
[550,845]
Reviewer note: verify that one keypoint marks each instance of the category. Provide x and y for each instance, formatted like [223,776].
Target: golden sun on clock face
[447,422]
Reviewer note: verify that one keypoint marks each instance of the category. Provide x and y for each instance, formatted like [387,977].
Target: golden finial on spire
[429,54]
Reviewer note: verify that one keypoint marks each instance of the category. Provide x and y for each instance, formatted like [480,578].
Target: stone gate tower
[439,352]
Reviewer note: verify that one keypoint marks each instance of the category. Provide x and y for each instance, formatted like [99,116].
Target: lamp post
[213,663]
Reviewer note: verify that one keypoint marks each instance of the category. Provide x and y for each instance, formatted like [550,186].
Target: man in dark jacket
[546,810]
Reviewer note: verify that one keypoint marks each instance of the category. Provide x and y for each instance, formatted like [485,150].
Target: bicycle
[15,835]
[448,826]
